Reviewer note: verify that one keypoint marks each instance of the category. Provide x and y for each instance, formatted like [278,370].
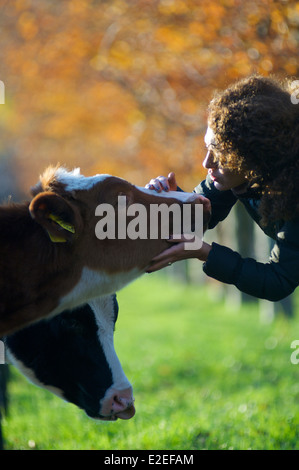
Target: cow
[58,283]
[50,257]
[72,355]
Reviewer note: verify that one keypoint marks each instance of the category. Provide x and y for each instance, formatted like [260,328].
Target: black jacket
[274,280]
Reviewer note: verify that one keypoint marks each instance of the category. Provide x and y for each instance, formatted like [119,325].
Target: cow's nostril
[117,399]
[120,404]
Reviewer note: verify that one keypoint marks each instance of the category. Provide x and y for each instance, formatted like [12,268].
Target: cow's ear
[55,215]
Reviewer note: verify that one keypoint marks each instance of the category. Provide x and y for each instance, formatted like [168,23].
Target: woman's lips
[213,177]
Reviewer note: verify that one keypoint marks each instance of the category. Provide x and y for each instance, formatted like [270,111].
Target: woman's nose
[209,161]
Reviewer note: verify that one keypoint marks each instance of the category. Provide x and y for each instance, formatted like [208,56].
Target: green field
[204,376]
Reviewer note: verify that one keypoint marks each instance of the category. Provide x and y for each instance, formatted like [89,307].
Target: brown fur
[36,273]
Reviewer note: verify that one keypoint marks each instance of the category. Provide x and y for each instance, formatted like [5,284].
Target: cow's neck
[34,271]
[93,284]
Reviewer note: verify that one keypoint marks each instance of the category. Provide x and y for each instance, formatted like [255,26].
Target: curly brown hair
[256,128]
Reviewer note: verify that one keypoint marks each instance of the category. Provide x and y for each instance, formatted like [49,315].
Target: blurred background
[122,87]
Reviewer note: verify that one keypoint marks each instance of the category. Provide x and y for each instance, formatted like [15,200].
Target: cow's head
[73,356]
[74,208]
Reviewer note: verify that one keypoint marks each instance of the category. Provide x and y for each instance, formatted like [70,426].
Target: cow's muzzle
[117,404]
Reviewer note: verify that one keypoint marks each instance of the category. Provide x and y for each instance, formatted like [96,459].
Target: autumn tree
[122,87]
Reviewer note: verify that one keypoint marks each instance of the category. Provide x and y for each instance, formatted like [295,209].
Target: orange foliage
[122,87]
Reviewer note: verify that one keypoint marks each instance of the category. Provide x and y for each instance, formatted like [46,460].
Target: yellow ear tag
[55,239]
[68,227]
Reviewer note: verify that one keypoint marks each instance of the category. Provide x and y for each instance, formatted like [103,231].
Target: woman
[253,156]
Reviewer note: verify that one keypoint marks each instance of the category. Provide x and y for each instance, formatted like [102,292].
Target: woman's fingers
[167,257]
[158,184]
[157,266]
[172,181]
[163,183]
[205,202]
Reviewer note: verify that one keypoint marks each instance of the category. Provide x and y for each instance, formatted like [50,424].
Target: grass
[204,377]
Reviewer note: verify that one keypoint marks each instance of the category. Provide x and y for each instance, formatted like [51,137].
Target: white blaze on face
[109,406]
[103,308]
[180,196]
[74,181]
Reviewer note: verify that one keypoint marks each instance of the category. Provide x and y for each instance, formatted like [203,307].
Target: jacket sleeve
[274,280]
[221,201]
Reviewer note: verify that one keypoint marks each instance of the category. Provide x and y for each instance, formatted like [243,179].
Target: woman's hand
[178,249]
[177,252]
[163,183]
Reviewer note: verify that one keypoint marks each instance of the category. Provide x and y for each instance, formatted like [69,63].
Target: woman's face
[223,178]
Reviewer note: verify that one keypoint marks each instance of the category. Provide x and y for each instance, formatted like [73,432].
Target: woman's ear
[55,215]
